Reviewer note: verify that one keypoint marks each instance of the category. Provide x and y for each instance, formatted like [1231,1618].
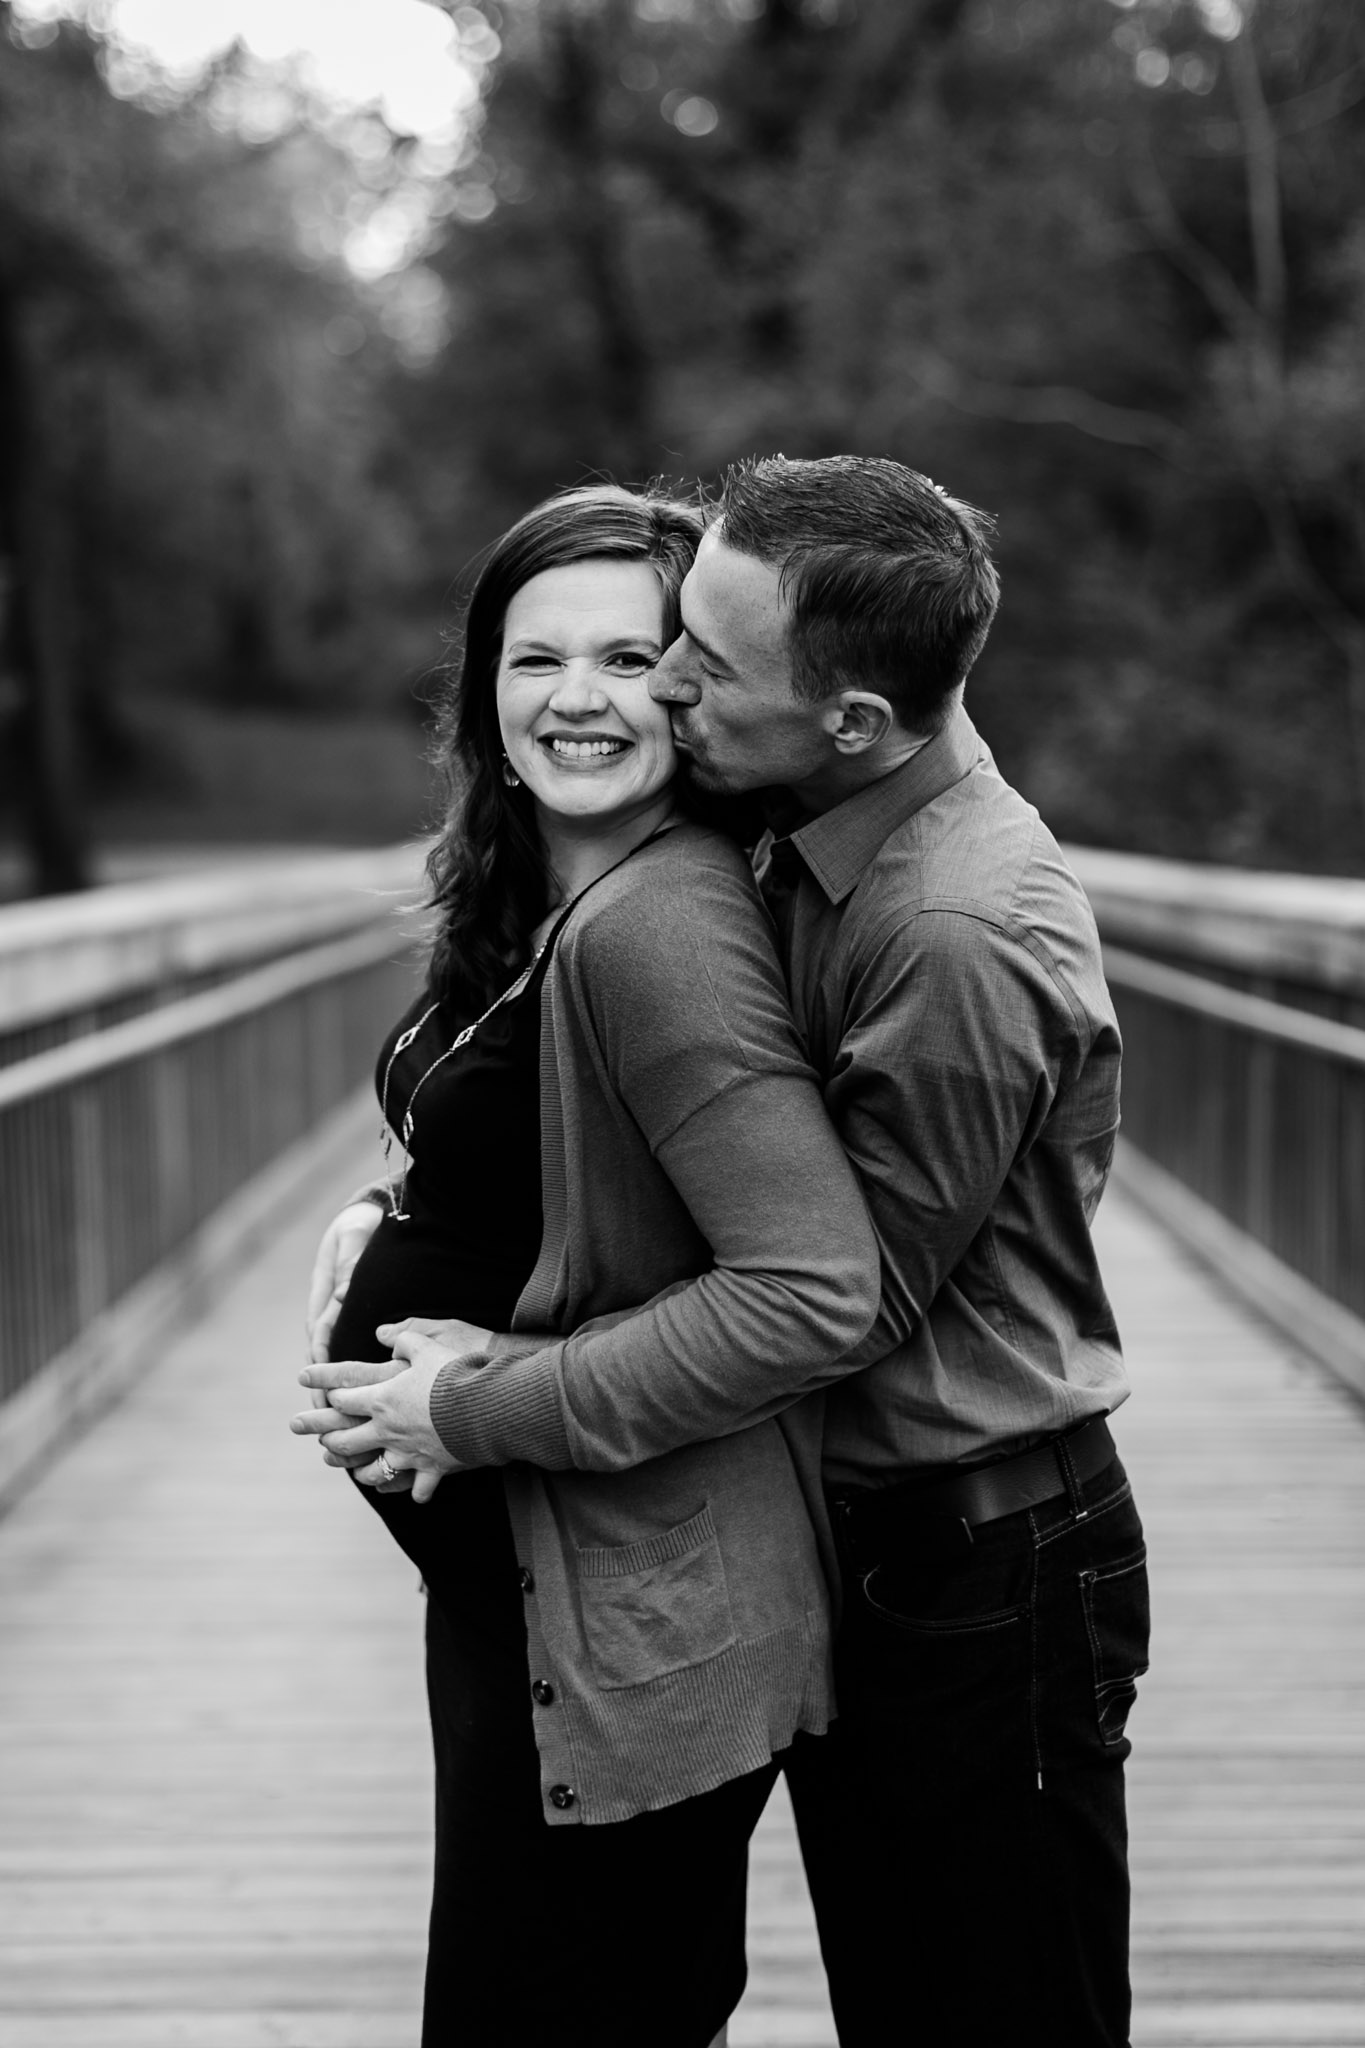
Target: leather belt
[982,1495]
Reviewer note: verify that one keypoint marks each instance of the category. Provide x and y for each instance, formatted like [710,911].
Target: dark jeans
[963,1824]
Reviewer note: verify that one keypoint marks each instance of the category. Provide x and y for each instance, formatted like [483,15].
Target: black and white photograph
[682,1024]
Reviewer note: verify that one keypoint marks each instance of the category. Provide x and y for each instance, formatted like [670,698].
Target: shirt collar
[838,846]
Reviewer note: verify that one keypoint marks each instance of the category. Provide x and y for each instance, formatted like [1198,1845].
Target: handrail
[64,959]
[193,1015]
[1308,929]
[152,1139]
[1255,1013]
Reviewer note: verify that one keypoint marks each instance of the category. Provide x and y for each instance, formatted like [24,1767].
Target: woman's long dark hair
[489,881]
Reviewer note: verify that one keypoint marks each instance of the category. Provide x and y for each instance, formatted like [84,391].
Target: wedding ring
[386,1471]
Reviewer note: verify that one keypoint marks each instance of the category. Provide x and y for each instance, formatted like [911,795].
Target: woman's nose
[579,690]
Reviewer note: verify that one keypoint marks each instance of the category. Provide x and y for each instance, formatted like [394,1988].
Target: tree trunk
[32,656]
[597,234]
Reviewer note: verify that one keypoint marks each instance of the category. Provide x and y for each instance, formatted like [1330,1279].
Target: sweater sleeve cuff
[518,1343]
[502,1411]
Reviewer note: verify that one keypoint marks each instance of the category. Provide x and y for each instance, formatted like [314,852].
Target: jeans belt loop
[1069,1480]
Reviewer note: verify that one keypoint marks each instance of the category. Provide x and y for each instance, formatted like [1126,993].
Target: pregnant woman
[603,1104]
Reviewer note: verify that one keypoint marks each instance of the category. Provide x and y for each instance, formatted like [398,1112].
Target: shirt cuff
[501,1411]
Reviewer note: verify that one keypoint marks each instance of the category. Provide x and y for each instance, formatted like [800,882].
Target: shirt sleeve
[693,1036]
[945,1075]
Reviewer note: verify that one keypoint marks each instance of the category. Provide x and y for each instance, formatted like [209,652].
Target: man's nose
[668,685]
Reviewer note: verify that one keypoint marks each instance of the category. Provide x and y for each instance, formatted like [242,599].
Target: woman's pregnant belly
[460,1541]
[419,1269]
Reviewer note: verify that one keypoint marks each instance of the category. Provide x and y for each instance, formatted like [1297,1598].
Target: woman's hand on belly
[344,1239]
[379,1424]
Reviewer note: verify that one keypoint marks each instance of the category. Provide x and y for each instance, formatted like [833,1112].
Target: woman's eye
[636,663]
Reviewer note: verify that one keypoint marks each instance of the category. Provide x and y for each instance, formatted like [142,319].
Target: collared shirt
[945,971]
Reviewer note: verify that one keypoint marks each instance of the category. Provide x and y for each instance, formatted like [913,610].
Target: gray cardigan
[664,1491]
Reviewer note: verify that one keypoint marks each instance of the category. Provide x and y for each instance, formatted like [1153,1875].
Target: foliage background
[1097,264]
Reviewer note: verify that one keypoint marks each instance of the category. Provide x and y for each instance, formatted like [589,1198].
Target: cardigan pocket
[655,1606]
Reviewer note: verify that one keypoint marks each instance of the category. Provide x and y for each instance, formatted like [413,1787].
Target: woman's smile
[584,750]
[579,726]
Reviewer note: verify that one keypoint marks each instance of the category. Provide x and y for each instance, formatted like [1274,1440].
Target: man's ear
[857,719]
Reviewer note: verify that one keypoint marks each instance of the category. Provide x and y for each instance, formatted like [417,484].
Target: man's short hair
[890,581]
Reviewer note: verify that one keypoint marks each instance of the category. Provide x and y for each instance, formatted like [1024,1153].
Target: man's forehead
[736,587]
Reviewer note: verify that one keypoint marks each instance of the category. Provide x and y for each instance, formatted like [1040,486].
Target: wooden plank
[291,2026]
[1313,1321]
[215,1815]
[786,2004]
[1248,1775]
[214,1819]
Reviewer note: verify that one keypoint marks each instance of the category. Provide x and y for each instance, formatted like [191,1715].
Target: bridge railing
[1242,1002]
[165,1046]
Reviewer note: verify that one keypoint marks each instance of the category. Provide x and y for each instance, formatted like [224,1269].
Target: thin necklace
[398,1191]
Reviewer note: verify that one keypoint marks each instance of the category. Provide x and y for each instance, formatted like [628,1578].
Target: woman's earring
[509,774]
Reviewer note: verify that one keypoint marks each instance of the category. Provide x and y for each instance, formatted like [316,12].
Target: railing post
[90,1219]
[170,1108]
[1260,1058]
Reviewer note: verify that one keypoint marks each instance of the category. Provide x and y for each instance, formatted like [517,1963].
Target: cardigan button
[526,1580]
[562,1796]
[542,1692]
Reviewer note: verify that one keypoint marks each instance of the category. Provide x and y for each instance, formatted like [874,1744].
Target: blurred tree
[1096,262]
[46,260]
[1227,228]
[192,419]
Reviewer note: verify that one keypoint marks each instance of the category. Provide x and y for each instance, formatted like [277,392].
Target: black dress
[472,1235]
[593,1937]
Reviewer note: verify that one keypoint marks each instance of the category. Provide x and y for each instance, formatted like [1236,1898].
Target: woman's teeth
[585,750]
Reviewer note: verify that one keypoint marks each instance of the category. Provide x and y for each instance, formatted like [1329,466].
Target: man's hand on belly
[378,1421]
[452,1334]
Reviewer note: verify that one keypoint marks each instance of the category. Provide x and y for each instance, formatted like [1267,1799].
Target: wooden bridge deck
[214,1800]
